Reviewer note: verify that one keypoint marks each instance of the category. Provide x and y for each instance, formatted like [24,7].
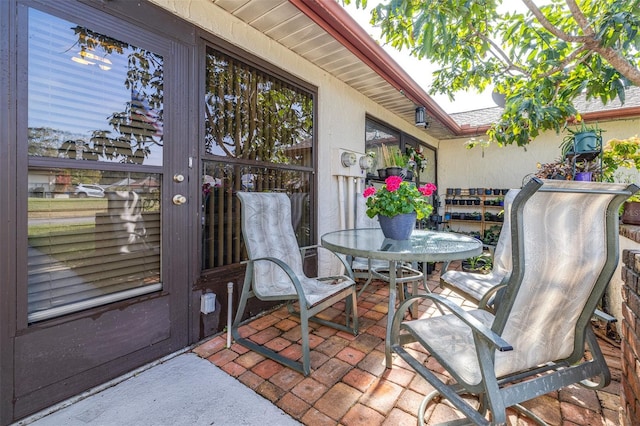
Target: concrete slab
[184,390]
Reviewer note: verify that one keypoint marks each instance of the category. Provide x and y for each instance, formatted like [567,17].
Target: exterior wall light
[421,117]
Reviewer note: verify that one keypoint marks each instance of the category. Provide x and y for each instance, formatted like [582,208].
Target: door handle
[179,199]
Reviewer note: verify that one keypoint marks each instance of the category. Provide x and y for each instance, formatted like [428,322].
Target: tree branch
[579,17]
[570,58]
[499,53]
[550,27]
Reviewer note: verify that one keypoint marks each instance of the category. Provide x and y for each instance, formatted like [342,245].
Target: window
[378,135]
[92,97]
[93,235]
[258,136]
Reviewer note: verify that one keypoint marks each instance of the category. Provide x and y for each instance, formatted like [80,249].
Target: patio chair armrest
[287,270]
[494,339]
[343,259]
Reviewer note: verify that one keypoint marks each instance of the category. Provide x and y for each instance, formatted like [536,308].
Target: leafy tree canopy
[541,60]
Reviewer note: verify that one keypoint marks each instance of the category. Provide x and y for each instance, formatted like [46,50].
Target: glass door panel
[93,235]
[92,97]
[93,238]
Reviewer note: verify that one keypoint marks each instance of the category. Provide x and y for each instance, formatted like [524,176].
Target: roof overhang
[322,32]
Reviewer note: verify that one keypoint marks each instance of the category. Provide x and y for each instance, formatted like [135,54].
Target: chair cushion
[450,340]
[268,232]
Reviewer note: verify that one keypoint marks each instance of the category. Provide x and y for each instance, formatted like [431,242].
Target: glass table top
[423,246]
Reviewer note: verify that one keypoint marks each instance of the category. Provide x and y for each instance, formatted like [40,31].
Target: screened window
[254,116]
[258,137]
[378,136]
[93,235]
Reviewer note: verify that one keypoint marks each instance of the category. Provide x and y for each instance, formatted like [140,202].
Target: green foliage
[541,61]
[620,153]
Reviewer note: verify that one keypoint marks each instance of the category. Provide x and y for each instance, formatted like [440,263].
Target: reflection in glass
[377,135]
[92,97]
[252,115]
[222,240]
[93,238]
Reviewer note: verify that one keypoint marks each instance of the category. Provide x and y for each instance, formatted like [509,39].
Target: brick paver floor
[350,386]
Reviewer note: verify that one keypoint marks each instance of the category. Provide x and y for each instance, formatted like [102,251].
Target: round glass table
[423,246]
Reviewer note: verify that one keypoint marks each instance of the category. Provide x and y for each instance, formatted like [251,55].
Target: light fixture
[421,117]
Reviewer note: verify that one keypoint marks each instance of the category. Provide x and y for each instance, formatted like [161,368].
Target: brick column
[630,344]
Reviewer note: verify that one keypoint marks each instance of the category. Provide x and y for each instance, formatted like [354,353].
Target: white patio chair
[275,272]
[481,288]
[564,252]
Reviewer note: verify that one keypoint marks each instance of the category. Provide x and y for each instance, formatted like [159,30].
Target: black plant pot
[394,171]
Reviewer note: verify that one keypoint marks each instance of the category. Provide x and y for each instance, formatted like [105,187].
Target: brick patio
[349,384]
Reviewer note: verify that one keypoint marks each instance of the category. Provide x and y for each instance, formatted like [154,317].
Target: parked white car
[85,190]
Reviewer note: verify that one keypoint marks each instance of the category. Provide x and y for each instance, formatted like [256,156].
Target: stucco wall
[505,167]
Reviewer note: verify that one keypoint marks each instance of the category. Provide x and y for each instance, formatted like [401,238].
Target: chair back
[565,249]
[502,255]
[268,232]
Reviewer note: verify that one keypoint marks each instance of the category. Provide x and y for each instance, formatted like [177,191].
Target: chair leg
[304,329]
[303,367]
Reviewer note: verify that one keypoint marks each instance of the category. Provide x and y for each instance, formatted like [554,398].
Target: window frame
[210,42]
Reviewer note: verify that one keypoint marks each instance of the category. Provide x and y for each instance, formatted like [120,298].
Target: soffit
[289,26]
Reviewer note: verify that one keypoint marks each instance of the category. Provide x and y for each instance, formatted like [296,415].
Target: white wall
[505,167]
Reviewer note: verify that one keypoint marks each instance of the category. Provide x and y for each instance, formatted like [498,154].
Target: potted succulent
[587,171]
[398,204]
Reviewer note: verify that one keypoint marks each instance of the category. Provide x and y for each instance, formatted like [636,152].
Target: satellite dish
[499,98]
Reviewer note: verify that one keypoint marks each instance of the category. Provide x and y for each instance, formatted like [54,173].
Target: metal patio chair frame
[275,273]
[535,341]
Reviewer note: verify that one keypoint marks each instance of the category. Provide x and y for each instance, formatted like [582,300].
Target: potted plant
[398,204]
[556,170]
[581,139]
[481,264]
[415,159]
[587,171]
